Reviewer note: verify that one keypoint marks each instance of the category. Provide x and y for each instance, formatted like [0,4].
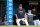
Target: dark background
[2,10]
[27,7]
[25,4]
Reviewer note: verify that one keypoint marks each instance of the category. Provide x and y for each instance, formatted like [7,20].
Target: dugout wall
[9,11]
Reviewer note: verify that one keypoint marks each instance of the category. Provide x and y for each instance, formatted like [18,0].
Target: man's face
[4,20]
[34,9]
[20,7]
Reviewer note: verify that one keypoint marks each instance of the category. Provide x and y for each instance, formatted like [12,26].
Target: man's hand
[34,15]
[24,18]
[16,16]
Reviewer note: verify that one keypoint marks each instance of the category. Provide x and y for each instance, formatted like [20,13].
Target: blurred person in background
[20,15]
[0,23]
[5,21]
[35,17]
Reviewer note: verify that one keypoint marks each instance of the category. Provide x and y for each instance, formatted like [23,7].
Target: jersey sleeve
[24,11]
[16,12]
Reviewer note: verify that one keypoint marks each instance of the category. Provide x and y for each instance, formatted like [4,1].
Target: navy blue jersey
[20,13]
[35,17]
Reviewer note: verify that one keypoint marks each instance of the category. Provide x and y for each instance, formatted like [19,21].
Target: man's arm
[25,16]
[16,16]
[34,15]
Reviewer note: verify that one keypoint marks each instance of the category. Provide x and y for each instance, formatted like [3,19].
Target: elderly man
[35,17]
[20,15]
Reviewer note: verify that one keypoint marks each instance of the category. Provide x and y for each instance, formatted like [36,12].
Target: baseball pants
[36,22]
[18,20]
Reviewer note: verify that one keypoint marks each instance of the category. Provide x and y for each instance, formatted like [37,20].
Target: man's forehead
[20,5]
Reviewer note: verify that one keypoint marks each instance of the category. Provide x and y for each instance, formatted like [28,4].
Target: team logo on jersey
[10,16]
[10,12]
[10,20]
[10,4]
[20,12]
[10,0]
[10,8]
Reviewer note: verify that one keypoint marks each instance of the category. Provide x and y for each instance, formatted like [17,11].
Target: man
[6,22]
[35,17]
[20,15]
